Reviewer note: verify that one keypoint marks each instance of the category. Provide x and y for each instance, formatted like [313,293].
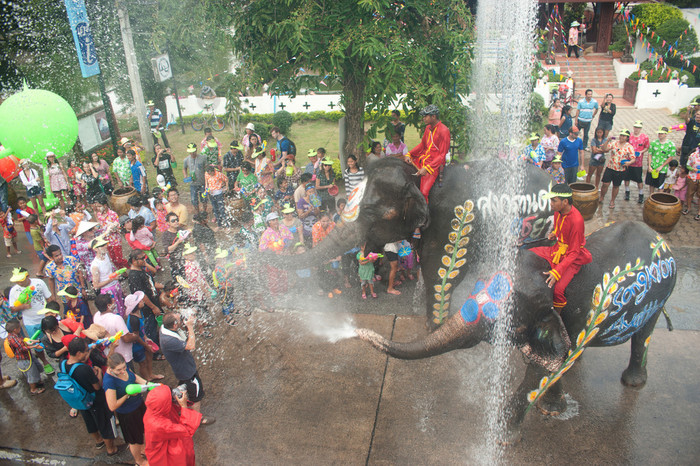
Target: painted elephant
[388,207]
[616,297]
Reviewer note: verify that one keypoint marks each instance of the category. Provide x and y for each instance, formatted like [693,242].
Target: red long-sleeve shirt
[571,242]
[430,153]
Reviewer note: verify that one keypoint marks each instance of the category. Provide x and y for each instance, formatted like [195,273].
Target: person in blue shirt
[138,173]
[571,152]
[587,110]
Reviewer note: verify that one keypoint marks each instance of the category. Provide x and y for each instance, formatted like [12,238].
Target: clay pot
[119,198]
[662,211]
[585,199]
[235,207]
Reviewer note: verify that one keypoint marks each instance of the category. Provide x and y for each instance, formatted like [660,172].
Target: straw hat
[85,226]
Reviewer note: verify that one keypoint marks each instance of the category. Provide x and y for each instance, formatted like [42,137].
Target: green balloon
[34,122]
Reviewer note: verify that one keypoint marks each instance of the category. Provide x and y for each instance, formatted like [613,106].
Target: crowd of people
[113,293]
[617,158]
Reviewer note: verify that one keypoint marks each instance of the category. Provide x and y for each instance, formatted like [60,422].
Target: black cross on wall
[331,105]
[252,106]
[282,105]
[656,93]
[306,105]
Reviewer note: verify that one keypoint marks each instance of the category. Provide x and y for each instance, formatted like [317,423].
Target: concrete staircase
[594,71]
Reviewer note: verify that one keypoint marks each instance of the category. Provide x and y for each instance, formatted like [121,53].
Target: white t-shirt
[30,316]
[30,181]
[114,323]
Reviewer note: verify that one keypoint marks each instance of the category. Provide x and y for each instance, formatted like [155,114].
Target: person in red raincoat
[169,429]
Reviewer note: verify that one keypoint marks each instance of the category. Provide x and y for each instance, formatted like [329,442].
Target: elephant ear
[547,342]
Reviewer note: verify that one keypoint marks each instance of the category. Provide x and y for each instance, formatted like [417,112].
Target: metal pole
[134,77]
[109,112]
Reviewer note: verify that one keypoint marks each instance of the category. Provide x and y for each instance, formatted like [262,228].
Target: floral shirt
[660,152]
[160,220]
[318,233]
[550,145]
[534,156]
[105,219]
[694,164]
[640,144]
[215,182]
[122,168]
[558,176]
[275,240]
[66,275]
[617,154]
[195,278]
[85,254]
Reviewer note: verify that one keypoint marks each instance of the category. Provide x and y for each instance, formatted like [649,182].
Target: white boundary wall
[669,95]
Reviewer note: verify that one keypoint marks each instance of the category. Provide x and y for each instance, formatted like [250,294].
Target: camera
[178,391]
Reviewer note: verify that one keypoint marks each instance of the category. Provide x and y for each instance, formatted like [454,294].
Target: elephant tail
[454,334]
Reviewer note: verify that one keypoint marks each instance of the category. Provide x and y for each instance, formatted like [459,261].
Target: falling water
[501,80]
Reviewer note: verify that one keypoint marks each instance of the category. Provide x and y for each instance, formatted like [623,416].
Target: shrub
[655,14]
[671,30]
[283,120]
[661,77]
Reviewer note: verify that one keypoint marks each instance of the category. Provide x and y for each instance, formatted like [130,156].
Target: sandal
[394,292]
[685,211]
[611,205]
[374,295]
[364,295]
[159,357]
[697,217]
[156,377]
[207,421]
[73,413]
[38,391]
[100,445]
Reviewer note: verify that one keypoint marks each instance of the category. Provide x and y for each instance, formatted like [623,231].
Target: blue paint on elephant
[622,330]
[487,298]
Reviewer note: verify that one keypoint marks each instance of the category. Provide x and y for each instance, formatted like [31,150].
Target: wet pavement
[282,394]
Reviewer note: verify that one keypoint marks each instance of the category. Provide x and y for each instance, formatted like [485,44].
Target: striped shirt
[154,117]
[352,179]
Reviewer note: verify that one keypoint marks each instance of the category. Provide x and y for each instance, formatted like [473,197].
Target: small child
[366,272]
[285,192]
[161,213]
[556,172]
[39,242]
[25,363]
[223,281]
[75,306]
[169,295]
[671,175]
[24,209]
[303,274]
[141,233]
[5,316]
[680,186]
[339,209]
[9,232]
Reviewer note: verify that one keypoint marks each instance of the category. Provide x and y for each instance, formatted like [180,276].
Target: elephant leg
[518,403]
[553,402]
[636,373]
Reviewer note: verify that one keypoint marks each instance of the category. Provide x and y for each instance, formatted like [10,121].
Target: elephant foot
[634,377]
[552,406]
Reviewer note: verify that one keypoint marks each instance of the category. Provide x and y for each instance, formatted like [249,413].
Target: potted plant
[616,49]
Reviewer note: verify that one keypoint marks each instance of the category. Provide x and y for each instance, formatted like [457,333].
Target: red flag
[694,68]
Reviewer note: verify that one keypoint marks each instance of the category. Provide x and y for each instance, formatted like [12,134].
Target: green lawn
[306,135]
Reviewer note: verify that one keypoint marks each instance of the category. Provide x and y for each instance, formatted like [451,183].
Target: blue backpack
[71,391]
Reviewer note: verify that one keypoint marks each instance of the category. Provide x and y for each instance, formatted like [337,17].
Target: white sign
[161,68]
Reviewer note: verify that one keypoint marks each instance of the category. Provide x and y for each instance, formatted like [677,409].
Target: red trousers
[567,275]
[426,183]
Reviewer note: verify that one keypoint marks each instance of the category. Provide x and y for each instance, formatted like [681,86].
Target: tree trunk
[354,92]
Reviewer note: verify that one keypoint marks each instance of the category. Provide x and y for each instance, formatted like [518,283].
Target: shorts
[8,241]
[633,174]
[613,175]
[131,425]
[196,194]
[30,369]
[35,191]
[195,389]
[98,418]
[41,256]
[605,125]
[140,355]
[31,329]
[596,163]
[391,256]
[657,182]
[365,282]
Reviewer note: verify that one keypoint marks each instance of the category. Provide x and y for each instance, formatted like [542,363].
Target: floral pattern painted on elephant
[453,258]
[601,302]
[487,299]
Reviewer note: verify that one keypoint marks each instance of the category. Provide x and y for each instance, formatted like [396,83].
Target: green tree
[376,49]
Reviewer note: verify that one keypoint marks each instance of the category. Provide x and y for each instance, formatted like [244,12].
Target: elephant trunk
[455,333]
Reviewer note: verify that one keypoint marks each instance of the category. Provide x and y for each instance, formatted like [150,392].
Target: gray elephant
[617,297]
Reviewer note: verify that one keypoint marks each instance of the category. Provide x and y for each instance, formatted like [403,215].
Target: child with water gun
[141,234]
[366,271]
[25,363]
[75,307]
